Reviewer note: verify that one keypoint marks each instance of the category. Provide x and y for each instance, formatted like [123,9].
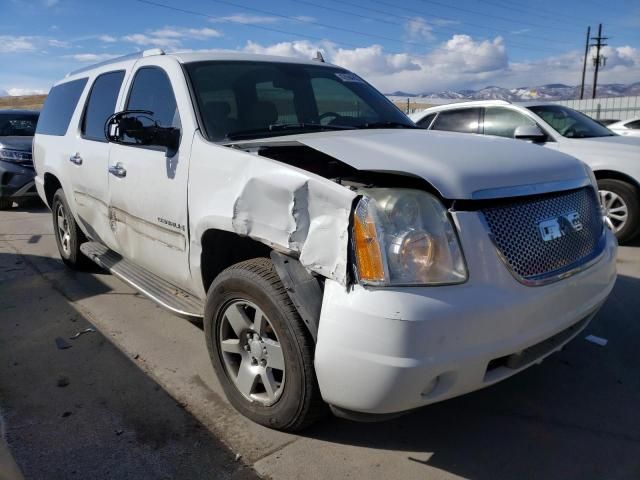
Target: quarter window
[503,121]
[101,103]
[466,120]
[59,107]
[151,91]
[426,121]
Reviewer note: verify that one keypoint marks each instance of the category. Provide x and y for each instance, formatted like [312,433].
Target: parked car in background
[614,159]
[630,127]
[606,121]
[17,128]
[336,253]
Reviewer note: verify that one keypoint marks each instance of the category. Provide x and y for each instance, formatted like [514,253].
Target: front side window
[152,91]
[240,99]
[59,107]
[100,104]
[570,123]
[465,120]
[504,121]
[18,124]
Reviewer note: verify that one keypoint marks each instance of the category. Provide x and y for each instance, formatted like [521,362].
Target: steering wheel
[329,114]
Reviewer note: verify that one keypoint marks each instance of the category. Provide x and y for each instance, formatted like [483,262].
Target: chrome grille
[514,225]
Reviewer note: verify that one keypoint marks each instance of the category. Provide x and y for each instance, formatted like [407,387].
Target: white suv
[615,160]
[335,253]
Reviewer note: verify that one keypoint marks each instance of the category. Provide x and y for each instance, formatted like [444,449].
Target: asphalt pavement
[138,399]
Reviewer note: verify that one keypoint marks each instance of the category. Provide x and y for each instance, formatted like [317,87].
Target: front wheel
[5,203]
[260,349]
[621,207]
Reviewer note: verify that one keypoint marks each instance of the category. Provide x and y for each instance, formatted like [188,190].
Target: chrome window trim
[530,189]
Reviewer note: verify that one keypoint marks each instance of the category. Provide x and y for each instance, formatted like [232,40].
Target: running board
[160,291]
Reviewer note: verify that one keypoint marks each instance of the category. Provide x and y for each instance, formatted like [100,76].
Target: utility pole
[584,65]
[598,60]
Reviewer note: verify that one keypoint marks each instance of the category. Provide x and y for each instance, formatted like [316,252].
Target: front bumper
[389,350]
[16,181]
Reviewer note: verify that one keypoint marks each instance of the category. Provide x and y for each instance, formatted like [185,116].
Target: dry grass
[28,102]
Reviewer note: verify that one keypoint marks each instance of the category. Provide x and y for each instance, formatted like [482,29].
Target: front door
[148,185]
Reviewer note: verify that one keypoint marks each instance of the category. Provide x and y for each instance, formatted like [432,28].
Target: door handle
[118,170]
[76,159]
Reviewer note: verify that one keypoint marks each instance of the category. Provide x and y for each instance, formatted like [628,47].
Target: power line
[549,15]
[447,19]
[483,14]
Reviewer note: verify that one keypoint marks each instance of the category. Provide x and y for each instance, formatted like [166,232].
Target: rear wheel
[68,235]
[621,207]
[260,349]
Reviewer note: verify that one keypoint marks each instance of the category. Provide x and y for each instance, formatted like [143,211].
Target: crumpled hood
[17,143]
[459,166]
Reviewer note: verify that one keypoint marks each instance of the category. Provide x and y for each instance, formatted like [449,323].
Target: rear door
[462,120]
[148,185]
[90,160]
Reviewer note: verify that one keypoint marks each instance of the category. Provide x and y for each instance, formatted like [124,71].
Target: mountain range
[552,91]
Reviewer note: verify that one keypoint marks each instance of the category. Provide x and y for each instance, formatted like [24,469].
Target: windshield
[570,123]
[243,100]
[18,124]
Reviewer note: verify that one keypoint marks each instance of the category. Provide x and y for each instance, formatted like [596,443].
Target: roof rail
[132,56]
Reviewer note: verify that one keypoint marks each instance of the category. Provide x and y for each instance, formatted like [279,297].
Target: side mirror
[529,132]
[138,127]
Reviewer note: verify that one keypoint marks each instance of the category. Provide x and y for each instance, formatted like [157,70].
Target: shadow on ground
[575,416]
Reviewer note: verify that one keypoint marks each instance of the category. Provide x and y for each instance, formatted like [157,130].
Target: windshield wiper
[279,127]
[387,124]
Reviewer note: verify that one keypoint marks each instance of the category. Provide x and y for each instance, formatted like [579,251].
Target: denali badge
[560,226]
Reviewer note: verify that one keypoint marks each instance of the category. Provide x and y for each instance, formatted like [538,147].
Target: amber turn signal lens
[367,249]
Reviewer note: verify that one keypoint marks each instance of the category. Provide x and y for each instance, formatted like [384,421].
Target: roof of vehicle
[212,55]
[477,103]
[16,111]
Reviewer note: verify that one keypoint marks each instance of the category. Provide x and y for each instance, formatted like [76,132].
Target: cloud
[9,44]
[171,37]
[58,43]
[245,19]
[50,3]
[107,38]
[16,91]
[460,62]
[418,28]
[91,57]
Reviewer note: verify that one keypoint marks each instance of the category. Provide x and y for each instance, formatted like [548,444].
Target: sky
[413,46]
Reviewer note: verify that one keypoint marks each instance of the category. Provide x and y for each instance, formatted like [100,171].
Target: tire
[68,235]
[6,203]
[292,401]
[615,196]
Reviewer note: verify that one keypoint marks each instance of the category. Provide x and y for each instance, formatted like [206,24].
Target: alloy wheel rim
[615,209]
[64,230]
[251,352]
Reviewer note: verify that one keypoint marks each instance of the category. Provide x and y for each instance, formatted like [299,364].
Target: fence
[614,108]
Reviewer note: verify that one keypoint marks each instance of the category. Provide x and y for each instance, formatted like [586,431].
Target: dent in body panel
[289,209]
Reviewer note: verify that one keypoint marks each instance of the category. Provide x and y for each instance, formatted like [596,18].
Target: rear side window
[152,91]
[59,107]
[634,125]
[100,104]
[426,121]
[465,120]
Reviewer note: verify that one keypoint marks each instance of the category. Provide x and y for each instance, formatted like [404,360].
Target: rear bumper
[388,350]
[16,181]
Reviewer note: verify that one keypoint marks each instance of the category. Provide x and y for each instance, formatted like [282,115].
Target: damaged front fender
[289,209]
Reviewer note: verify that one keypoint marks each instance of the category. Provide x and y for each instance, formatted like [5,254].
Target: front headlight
[405,237]
[14,156]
